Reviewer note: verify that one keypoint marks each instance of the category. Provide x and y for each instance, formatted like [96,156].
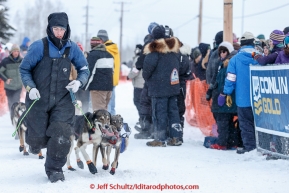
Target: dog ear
[89,116]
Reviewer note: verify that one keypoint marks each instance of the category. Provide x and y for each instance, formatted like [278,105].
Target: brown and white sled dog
[111,139]
[102,135]
[85,133]
[17,112]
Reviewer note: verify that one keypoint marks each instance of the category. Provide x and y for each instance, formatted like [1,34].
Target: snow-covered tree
[5,28]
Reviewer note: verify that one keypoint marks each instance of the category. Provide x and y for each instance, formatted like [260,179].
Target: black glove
[127,78]
[209,94]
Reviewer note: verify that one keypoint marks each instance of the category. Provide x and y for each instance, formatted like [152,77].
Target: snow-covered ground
[213,171]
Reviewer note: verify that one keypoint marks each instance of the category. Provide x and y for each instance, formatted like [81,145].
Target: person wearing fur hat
[283,56]
[137,80]
[224,115]
[45,74]
[101,64]
[9,73]
[238,79]
[161,72]
[276,46]
[112,48]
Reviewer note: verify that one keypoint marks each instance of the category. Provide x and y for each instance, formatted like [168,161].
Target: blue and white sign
[270,98]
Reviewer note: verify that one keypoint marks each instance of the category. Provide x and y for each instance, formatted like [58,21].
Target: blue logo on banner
[270,99]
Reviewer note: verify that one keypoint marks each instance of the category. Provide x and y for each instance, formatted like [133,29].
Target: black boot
[242,150]
[55,176]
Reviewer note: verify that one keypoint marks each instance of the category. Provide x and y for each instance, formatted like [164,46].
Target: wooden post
[200,22]
[228,21]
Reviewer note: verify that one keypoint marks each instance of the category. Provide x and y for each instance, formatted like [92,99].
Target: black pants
[137,98]
[145,102]
[146,110]
[228,134]
[50,127]
[165,114]
[12,96]
[246,123]
[182,105]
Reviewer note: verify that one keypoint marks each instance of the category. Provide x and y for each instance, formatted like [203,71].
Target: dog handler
[45,74]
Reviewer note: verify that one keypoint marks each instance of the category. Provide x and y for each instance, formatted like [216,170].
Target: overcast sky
[178,14]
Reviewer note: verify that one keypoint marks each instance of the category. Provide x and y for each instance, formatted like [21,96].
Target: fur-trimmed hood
[164,46]
[185,49]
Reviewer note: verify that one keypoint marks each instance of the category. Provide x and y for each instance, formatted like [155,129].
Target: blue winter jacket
[35,55]
[238,76]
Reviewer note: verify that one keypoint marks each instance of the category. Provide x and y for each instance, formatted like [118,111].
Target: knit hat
[102,34]
[15,47]
[261,37]
[219,37]
[195,53]
[286,30]
[228,45]
[158,32]
[204,48]
[277,36]
[95,41]
[151,26]
[286,41]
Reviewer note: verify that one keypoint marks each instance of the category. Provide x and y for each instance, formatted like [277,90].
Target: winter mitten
[256,55]
[221,99]
[34,94]
[229,101]
[209,94]
[73,85]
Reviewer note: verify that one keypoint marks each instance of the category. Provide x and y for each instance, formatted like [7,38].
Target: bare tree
[34,22]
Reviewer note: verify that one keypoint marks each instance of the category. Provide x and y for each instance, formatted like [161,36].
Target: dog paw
[25,153]
[92,168]
[112,171]
[21,148]
[71,168]
[40,157]
[80,164]
[105,167]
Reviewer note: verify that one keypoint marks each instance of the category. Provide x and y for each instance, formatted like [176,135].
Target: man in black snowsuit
[145,101]
[45,74]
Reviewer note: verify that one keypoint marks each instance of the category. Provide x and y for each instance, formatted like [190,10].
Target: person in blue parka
[45,74]
[238,79]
